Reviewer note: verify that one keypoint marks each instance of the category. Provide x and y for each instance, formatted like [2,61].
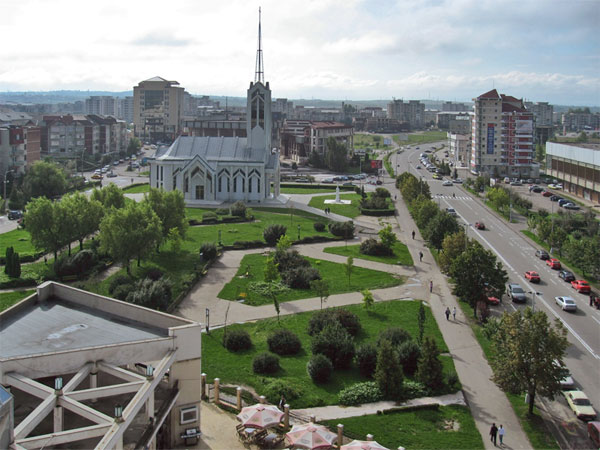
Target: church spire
[259,71]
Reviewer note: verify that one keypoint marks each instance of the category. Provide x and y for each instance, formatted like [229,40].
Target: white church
[215,170]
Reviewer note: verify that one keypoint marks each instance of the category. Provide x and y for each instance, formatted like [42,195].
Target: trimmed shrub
[284,342]
[273,232]
[290,259]
[122,291]
[300,277]
[335,343]
[222,211]
[209,215]
[319,368]
[154,273]
[274,389]
[408,354]
[76,264]
[208,250]
[359,393]
[347,319]
[414,389]
[151,294]
[452,380]
[265,363]
[236,340]
[248,244]
[375,248]
[382,193]
[319,226]
[118,281]
[366,359]
[238,209]
[395,336]
[342,229]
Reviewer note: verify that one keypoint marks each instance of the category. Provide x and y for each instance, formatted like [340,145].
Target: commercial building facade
[577,166]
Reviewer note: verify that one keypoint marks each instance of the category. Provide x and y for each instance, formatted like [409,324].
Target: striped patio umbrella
[260,416]
[364,445]
[310,436]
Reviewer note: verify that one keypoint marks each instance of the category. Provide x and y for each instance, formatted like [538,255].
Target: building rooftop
[491,94]
[55,325]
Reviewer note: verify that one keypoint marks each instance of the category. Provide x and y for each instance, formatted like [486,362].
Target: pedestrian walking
[447,313]
[454,313]
[413,234]
[420,256]
[493,432]
[281,402]
[591,299]
[501,433]
[431,286]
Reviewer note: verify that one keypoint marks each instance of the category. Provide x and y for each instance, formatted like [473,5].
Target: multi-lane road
[517,254]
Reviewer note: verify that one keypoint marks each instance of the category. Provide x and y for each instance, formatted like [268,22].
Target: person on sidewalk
[493,432]
[281,402]
[501,433]
[454,313]
[413,235]
[430,286]
[447,313]
[420,256]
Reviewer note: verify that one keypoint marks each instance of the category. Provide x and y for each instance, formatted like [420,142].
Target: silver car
[566,303]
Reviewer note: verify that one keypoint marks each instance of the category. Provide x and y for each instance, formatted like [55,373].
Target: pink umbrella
[363,445]
[260,416]
[310,436]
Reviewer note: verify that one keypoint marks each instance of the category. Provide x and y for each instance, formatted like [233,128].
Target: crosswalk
[449,197]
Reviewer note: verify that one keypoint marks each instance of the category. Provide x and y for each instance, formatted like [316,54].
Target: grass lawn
[427,428]
[350,210]
[533,425]
[34,271]
[8,299]
[301,190]
[19,239]
[401,254]
[369,141]
[140,188]
[361,279]
[236,368]
[423,138]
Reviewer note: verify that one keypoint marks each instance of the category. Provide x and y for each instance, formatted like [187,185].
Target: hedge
[377,212]
[316,186]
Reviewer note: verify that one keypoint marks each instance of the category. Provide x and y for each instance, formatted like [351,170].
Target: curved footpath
[487,402]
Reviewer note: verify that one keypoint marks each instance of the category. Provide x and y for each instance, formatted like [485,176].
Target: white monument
[337,200]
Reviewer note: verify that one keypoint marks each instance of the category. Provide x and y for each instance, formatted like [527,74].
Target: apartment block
[460,148]
[158,107]
[102,105]
[126,109]
[502,137]
[412,112]
[450,106]
[299,138]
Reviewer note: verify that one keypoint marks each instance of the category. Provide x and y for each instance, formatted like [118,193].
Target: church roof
[212,149]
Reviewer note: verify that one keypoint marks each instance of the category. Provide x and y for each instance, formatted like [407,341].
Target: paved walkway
[487,402]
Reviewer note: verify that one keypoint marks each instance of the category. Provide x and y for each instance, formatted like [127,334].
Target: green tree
[271,290]
[528,354]
[84,215]
[499,198]
[46,225]
[368,300]
[421,322]
[270,272]
[582,137]
[45,179]
[8,256]
[439,227]
[170,209]
[349,267]
[476,274]
[540,153]
[284,243]
[543,229]
[388,237]
[557,238]
[425,212]
[321,287]
[129,232]
[452,247]
[388,372]
[109,196]
[336,158]
[175,239]
[133,146]
[429,367]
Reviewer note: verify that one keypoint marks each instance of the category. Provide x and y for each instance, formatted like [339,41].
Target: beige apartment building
[158,110]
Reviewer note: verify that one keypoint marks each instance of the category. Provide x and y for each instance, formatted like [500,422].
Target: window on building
[188,415]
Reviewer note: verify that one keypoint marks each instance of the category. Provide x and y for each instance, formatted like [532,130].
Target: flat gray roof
[51,326]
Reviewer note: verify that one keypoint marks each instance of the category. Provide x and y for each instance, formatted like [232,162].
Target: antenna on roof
[259,71]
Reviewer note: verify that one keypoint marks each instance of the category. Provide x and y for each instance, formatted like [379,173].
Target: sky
[540,50]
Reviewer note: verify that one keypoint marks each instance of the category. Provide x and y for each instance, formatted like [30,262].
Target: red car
[480,225]
[547,194]
[532,276]
[581,286]
[553,263]
[493,301]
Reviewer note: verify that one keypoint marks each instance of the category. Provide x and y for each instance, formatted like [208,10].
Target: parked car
[15,214]
[535,188]
[571,206]
[566,275]
[580,405]
[447,183]
[111,174]
[593,432]
[516,293]
[457,181]
[451,211]
[581,286]
[566,303]
[516,183]
[418,166]
[555,198]
[542,254]
[436,176]
[480,225]
[97,176]
[493,300]
[553,263]
[563,201]
[547,194]
[532,276]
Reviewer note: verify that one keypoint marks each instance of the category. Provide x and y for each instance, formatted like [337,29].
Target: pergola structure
[82,358]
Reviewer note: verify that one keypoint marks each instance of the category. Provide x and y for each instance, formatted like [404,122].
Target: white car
[458,181]
[447,183]
[566,303]
[418,166]
[451,211]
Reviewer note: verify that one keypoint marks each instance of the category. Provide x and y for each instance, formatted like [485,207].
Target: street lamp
[298,231]
[5,175]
